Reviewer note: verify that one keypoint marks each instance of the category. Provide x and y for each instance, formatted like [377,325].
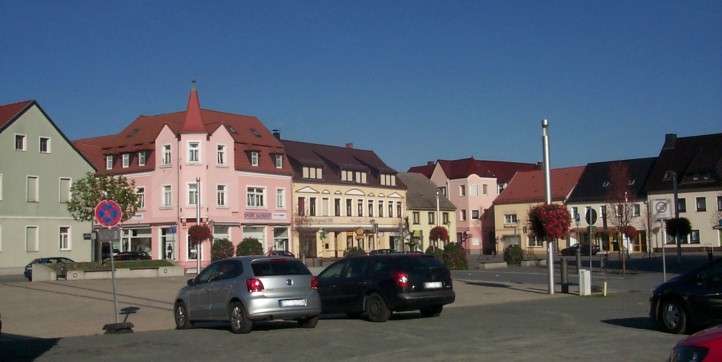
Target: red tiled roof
[193,122]
[462,168]
[426,170]
[528,186]
[8,112]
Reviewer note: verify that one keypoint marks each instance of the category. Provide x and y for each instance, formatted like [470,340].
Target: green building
[37,167]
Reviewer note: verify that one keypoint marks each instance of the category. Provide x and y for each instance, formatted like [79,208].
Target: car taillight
[401,279]
[254,285]
[314,282]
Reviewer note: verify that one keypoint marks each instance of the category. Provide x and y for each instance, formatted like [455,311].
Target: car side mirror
[191,282]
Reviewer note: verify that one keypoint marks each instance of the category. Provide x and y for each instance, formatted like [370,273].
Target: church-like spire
[193,122]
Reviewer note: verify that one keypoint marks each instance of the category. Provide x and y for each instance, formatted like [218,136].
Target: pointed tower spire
[193,122]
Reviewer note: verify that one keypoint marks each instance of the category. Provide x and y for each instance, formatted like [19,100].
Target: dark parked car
[690,300]
[287,254]
[377,285]
[129,255]
[572,250]
[51,260]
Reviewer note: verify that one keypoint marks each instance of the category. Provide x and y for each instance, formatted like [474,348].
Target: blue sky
[415,81]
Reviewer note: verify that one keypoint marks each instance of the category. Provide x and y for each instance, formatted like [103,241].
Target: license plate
[293,303]
[432,285]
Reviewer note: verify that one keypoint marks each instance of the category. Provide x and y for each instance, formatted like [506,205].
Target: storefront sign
[265,215]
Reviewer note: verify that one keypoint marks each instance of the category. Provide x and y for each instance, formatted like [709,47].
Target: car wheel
[432,311]
[180,313]
[376,308]
[673,317]
[308,322]
[240,323]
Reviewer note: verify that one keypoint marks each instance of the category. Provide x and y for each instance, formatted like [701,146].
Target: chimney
[349,145]
[277,133]
[670,141]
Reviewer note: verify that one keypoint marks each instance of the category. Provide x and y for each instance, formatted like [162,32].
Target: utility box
[585,282]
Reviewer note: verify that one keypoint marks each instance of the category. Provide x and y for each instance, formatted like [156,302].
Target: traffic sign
[591,216]
[662,209]
[108,213]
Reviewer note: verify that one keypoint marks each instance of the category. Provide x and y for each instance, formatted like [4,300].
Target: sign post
[109,214]
[591,217]
[662,211]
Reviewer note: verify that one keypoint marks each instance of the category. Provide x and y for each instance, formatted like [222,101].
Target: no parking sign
[108,213]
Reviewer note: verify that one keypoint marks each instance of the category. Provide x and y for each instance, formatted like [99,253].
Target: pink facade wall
[181,215]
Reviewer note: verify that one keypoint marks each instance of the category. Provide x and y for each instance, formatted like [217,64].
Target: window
[126,160]
[443,190]
[280,198]
[312,172]
[325,211]
[346,176]
[140,191]
[388,180]
[432,217]
[64,189]
[360,209]
[475,214]
[192,193]
[462,215]
[719,198]
[312,206]
[31,239]
[445,217]
[484,189]
[682,205]
[254,158]
[474,190]
[349,207]
[534,242]
[301,206]
[221,195]
[381,208]
[64,238]
[279,162]
[701,204]
[416,216]
[108,162]
[194,149]
[694,237]
[636,210]
[32,189]
[254,197]
[166,156]
[398,208]
[167,196]
[221,155]
[391,209]
[510,219]
[371,208]
[575,214]
[21,142]
[141,158]
[44,144]
[462,190]
[192,250]
[337,207]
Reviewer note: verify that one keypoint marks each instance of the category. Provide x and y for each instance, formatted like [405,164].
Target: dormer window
[194,152]
[388,180]
[254,158]
[360,177]
[108,162]
[126,160]
[279,161]
[166,155]
[221,155]
[346,176]
[141,158]
[312,173]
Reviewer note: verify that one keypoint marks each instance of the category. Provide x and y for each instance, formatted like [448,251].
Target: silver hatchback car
[247,289]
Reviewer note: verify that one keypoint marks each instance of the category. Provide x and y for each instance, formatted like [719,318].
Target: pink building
[245,180]
[472,186]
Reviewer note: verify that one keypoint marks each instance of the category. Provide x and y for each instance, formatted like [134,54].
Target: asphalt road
[614,328]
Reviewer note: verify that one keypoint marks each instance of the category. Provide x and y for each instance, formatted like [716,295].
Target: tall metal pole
[199,251]
[677,239]
[664,256]
[112,276]
[437,207]
[548,199]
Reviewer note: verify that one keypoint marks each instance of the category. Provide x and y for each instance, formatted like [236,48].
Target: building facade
[229,165]
[37,168]
[343,197]
[696,163]
[426,208]
[472,186]
[525,191]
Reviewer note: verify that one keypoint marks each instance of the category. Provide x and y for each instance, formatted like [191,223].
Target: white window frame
[37,188]
[141,196]
[68,247]
[40,144]
[167,150]
[255,158]
[37,238]
[221,159]
[109,160]
[511,219]
[462,190]
[25,142]
[163,204]
[125,160]
[190,152]
[188,193]
[224,193]
[60,189]
[262,194]
[281,196]
[305,172]
[141,158]
[279,161]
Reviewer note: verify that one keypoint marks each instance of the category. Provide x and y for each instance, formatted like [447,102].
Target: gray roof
[421,193]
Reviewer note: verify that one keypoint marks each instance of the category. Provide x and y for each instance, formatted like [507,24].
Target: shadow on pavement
[528,289]
[15,347]
[636,323]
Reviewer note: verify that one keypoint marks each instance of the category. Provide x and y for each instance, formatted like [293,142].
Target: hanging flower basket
[549,222]
[630,231]
[439,233]
[199,233]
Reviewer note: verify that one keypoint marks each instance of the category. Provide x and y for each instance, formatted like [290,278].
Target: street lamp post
[199,251]
[548,199]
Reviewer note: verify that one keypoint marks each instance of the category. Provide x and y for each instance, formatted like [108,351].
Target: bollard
[565,275]
[579,258]
[604,288]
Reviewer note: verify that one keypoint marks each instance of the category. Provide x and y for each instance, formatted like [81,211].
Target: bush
[679,226]
[221,249]
[513,255]
[249,246]
[454,256]
[437,252]
[354,251]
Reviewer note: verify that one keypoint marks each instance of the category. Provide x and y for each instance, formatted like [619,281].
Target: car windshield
[272,267]
[421,263]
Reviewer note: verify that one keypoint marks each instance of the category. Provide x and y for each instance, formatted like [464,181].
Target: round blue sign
[108,213]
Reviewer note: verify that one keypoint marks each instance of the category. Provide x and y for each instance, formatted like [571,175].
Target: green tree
[249,246]
[221,249]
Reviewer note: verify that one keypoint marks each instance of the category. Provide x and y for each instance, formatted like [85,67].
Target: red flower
[550,222]
[199,232]
[630,231]
[439,233]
